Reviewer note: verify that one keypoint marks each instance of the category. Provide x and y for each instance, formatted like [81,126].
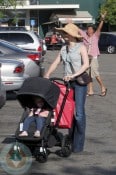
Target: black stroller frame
[50,136]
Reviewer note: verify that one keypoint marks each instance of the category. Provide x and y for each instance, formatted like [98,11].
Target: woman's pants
[80,118]
[37,119]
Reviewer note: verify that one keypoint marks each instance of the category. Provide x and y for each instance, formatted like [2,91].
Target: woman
[72,56]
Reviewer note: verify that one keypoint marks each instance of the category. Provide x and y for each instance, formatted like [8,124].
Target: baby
[36,115]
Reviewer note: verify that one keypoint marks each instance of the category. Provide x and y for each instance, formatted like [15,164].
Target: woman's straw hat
[70,29]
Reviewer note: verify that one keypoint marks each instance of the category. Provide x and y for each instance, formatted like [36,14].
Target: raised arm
[101,22]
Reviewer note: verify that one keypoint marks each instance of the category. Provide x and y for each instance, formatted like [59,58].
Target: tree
[7,3]
[110,7]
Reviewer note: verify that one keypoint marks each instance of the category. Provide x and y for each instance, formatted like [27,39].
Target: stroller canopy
[41,87]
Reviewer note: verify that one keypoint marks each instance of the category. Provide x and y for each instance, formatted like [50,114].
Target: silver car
[12,74]
[31,59]
[2,92]
[27,40]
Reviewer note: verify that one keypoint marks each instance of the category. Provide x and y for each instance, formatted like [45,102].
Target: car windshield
[10,46]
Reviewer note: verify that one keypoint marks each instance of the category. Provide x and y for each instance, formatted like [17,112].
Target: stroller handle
[66,83]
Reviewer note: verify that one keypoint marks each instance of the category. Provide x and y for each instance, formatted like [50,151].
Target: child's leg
[40,122]
[26,125]
[27,122]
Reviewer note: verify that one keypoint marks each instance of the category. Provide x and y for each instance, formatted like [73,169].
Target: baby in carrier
[37,115]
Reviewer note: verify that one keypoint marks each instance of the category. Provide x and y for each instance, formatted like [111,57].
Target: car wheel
[111,49]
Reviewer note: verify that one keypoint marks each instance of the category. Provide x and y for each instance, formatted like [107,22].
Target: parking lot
[99,157]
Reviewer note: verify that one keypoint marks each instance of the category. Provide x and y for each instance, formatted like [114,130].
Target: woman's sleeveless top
[71,59]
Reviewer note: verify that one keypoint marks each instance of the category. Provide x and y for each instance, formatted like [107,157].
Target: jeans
[80,118]
[37,119]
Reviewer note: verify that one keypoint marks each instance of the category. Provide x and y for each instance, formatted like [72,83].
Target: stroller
[59,98]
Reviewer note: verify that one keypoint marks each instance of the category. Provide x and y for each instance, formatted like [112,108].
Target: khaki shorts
[94,67]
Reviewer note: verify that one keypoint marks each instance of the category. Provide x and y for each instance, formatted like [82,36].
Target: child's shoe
[23,134]
[37,134]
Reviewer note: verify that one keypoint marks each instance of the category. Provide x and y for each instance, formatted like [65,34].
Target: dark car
[107,42]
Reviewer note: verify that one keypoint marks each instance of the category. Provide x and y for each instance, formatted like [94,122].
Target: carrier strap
[62,107]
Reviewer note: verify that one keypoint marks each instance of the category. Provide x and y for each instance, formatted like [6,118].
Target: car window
[17,38]
[20,38]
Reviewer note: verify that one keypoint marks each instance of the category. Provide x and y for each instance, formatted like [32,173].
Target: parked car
[31,60]
[12,74]
[27,40]
[43,43]
[107,42]
[59,43]
[2,91]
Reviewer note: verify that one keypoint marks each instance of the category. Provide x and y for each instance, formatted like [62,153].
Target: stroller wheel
[64,152]
[42,156]
[66,148]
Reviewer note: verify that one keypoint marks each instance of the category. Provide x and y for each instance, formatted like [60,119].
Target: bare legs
[103,88]
[94,72]
[90,89]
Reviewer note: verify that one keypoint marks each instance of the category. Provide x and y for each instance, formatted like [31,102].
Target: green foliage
[110,7]
[6,3]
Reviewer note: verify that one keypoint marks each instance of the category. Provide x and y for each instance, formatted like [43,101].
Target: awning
[75,17]
[49,22]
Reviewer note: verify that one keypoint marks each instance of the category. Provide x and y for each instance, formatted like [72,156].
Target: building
[41,15]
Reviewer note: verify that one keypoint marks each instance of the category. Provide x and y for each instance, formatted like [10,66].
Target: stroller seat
[39,87]
[32,129]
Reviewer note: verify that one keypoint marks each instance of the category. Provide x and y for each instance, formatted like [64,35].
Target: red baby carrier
[64,111]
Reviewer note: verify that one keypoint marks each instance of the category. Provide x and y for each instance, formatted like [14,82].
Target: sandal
[23,134]
[37,134]
[103,93]
[89,94]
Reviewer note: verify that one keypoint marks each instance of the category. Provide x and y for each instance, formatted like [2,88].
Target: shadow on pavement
[11,95]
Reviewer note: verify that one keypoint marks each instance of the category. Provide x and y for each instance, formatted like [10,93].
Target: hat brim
[64,30]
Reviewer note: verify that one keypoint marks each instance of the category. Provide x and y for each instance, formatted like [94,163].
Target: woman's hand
[46,76]
[68,77]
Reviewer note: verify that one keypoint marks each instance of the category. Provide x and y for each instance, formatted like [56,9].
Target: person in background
[74,53]
[91,38]
[54,40]
[61,40]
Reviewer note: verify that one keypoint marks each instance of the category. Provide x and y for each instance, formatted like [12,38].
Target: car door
[2,91]
[103,42]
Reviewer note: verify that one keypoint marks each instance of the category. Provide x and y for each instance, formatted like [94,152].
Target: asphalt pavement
[99,156]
